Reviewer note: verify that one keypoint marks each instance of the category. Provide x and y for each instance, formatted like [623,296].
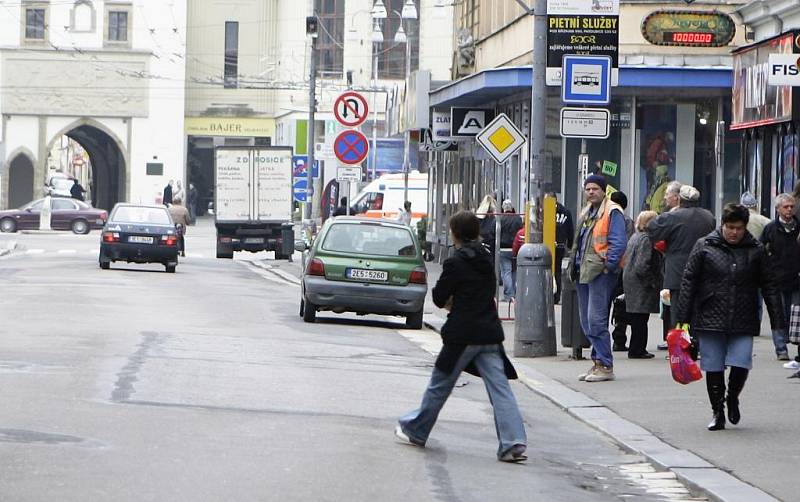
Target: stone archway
[108,175]
[20,181]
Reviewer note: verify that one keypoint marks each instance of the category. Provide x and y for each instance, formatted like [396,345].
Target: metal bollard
[571,332]
[534,325]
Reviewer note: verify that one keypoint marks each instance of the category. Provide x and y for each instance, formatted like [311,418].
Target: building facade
[107,74]
[669,112]
[248,64]
[767,116]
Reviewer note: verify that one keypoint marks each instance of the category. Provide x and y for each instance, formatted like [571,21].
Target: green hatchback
[366,266]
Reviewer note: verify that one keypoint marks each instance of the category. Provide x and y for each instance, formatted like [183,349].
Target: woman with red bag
[719,299]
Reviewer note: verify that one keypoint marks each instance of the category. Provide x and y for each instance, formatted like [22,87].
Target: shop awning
[496,83]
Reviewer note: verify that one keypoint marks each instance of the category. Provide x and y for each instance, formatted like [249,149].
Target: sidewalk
[645,411]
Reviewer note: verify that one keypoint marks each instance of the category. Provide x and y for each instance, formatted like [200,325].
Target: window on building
[231,55]
[330,43]
[117,26]
[35,24]
[470,17]
[82,16]
[391,55]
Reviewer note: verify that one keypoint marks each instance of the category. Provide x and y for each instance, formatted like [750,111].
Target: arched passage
[20,181]
[107,177]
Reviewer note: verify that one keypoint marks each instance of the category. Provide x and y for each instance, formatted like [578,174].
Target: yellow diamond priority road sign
[501,138]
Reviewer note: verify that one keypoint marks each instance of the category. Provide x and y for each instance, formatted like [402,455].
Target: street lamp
[408,13]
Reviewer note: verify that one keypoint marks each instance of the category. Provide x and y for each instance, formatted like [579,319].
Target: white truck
[253,200]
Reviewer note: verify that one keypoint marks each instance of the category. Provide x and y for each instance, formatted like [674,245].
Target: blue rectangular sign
[586,80]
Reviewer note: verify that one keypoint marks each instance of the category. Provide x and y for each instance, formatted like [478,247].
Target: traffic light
[312,26]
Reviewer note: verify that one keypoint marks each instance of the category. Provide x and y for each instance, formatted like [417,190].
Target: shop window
[789,162]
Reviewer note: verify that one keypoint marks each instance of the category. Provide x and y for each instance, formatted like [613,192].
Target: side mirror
[28,209]
[300,246]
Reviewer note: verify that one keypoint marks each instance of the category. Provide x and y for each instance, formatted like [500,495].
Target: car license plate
[254,240]
[369,275]
[140,239]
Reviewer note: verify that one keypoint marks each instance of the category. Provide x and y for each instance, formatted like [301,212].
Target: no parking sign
[351,147]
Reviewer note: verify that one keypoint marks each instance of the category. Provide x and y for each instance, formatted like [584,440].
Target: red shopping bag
[684,369]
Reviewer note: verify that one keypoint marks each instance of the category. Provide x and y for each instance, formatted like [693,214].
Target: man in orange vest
[597,259]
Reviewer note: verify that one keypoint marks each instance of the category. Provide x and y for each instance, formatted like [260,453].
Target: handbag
[794,324]
[684,369]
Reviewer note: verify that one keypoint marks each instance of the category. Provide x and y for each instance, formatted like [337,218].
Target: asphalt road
[134,384]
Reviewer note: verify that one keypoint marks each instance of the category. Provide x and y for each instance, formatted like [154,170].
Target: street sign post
[351,109]
[586,80]
[351,147]
[501,138]
[594,123]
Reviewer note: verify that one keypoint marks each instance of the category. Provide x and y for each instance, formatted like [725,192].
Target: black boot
[715,384]
[736,380]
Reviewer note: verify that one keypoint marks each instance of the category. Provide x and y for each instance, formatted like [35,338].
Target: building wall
[770,18]
[132,91]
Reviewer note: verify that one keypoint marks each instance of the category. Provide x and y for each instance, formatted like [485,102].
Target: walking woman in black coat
[473,341]
[719,300]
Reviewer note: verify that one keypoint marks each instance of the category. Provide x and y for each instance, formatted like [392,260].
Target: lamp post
[403,36]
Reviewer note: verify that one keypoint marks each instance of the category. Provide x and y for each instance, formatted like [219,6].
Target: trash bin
[534,326]
[571,332]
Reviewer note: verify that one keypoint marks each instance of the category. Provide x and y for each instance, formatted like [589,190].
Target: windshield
[132,214]
[369,238]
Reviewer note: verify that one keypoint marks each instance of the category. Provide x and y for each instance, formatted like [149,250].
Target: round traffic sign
[351,147]
[300,189]
[351,109]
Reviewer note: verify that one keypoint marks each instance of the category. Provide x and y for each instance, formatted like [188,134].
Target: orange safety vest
[600,231]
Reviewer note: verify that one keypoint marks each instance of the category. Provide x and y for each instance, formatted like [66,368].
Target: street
[134,384]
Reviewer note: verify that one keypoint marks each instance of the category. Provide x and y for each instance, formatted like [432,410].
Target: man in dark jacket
[76,191]
[472,340]
[780,241]
[510,223]
[166,198]
[342,209]
[620,317]
[565,233]
[719,299]
[680,229]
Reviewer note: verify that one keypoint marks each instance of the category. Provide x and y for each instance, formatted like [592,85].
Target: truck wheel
[309,311]
[224,251]
[414,321]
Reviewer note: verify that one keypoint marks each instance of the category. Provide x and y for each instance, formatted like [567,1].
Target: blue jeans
[780,336]
[508,274]
[594,300]
[418,424]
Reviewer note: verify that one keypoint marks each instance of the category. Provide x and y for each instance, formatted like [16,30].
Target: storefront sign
[784,69]
[582,35]
[231,127]
[440,126]
[688,28]
[755,102]
[468,122]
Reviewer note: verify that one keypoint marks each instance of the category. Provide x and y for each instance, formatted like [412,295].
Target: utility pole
[407,133]
[312,29]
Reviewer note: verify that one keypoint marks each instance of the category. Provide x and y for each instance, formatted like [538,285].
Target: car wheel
[80,227]
[105,264]
[170,268]
[309,311]
[224,251]
[414,321]
[302,304]
[7,225]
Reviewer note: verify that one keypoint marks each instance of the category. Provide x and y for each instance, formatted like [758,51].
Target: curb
[689,468]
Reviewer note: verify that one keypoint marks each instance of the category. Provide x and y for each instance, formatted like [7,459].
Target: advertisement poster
[583,35]
[657,154]
[755,102]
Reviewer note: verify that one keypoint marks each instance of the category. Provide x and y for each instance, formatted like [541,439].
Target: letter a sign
[468,122]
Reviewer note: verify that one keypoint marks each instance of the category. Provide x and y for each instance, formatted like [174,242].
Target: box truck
[253,200]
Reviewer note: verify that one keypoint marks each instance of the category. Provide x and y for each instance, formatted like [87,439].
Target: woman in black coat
[719,299]
[473,341]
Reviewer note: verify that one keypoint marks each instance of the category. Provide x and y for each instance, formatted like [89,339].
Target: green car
[366,266]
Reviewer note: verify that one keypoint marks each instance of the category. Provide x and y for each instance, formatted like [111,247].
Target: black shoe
[736,380]
[662,346]
[643,355]
[619,347]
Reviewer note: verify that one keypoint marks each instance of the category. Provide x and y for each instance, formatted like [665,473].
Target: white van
[383,198]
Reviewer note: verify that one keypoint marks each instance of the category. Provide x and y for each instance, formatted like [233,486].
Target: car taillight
[418,276]
[315,267]
[169,240]
[110,237]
